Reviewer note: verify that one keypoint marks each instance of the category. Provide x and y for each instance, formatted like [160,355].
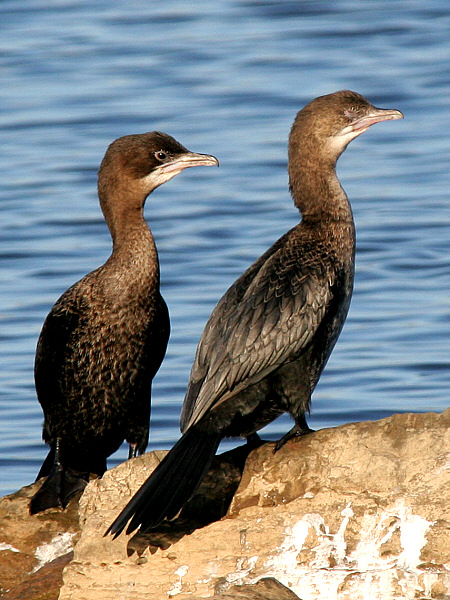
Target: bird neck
[133,243]
[315,187]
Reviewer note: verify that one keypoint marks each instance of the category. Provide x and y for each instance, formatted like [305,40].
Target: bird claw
[296,431]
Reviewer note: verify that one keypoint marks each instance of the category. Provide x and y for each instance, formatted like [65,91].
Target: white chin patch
[340,141]
[159,176]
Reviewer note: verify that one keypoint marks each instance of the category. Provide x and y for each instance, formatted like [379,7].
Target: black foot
[296,431]
[49,494]
[60,485]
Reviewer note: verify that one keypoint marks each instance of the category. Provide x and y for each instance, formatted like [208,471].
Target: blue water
[226,78]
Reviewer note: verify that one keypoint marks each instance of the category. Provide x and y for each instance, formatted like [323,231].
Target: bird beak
[376,115]
[190,159]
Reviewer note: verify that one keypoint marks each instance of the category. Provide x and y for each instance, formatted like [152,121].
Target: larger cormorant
[270,336]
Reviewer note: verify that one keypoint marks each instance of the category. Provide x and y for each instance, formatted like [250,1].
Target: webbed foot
[297,431]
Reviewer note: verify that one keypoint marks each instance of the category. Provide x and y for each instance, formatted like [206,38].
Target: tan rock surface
[32,547]
[356,512]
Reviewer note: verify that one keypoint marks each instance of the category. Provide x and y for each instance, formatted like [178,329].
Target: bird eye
[160,155]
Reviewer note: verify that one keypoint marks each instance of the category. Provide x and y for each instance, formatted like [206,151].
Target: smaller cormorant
[105,338]
[268,339]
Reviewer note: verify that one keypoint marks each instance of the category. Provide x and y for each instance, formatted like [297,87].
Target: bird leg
[132,451]
[300,428]
[69,480]
[58,469]
[51,491]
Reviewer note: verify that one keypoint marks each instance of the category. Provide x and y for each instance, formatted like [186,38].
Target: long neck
[314,185]
[134,249]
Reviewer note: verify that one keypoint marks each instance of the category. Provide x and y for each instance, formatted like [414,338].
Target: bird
[105,338]
[268,339]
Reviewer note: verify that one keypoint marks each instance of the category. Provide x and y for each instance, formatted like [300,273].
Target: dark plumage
[270,336]
[104,339]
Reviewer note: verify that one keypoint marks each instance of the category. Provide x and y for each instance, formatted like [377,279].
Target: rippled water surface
[226,78]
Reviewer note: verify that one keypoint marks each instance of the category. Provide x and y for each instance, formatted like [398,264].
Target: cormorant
[105,338]
[270,336]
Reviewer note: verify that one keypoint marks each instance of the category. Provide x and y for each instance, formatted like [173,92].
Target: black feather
[171,484]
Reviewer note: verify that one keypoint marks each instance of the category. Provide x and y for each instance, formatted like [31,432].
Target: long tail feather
[171,484]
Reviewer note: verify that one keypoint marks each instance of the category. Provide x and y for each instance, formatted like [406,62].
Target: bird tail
[59,487]
[171,484]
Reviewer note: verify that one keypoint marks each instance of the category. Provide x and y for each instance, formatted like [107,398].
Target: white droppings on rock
[367,563]
[61,544]
[443,468]
[377,530]
[412,537]
[177,587]
[339,539]
[4,546]
[240,575]
[285,560]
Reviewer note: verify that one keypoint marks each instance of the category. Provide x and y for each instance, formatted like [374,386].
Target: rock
[34,549]
[348,513]
[352,513]
[265,589]
[43,584]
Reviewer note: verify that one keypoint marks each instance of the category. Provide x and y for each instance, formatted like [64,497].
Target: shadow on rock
[209,504]
[267,588]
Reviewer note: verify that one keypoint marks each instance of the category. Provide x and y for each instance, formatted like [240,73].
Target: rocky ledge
[351,513]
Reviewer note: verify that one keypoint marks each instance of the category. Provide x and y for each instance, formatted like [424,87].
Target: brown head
[321,132]
[134,165]
[329,123]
